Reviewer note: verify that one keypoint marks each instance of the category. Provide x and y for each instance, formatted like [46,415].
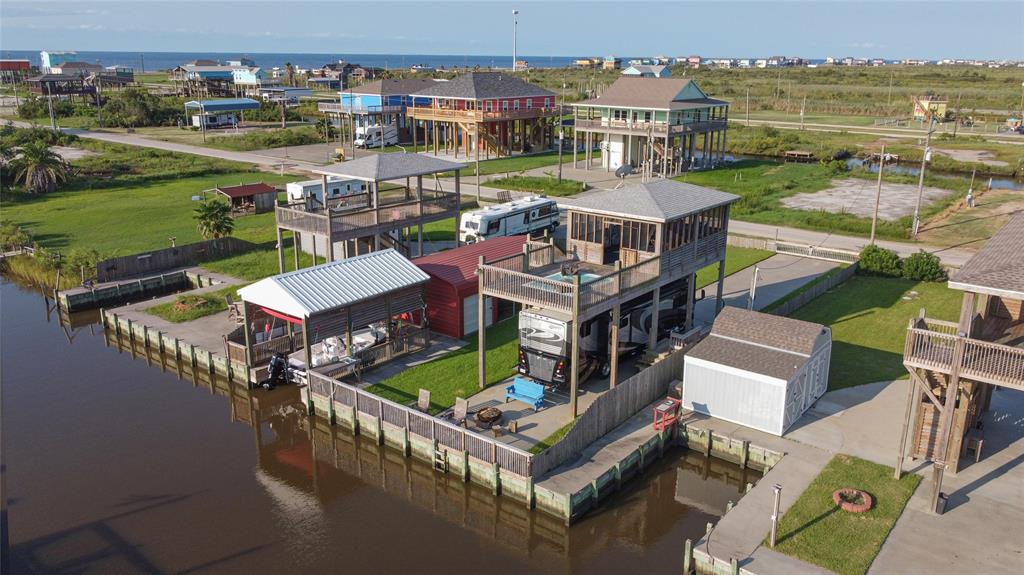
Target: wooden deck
[644,128]
[509,279]
[937,347]
[360,220]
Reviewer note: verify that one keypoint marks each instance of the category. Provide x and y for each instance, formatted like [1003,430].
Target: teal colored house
[657,125]
[647,71]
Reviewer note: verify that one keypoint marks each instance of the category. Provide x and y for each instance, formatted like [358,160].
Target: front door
[612,243]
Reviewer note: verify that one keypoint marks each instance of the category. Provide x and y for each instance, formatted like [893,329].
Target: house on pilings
[657,125]
[492,114]
[955,367]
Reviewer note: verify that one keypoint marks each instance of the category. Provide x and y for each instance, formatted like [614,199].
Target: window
[587,228]
[490,106]
[647,116]
[526,218]
[493,227]
[504,105]
[547,102]
[529,104]
[544,211]
[516,105]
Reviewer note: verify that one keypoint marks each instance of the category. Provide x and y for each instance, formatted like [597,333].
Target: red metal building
[452,288]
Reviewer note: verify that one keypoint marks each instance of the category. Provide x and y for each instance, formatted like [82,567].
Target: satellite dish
[623,171]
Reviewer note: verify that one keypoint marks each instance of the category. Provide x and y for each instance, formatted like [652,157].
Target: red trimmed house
[452,288]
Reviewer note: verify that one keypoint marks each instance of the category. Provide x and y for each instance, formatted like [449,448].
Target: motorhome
[545,336]
[376,136]
[336,188]
[214,120]
[530,215]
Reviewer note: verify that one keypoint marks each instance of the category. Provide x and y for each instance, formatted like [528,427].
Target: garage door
[469,313]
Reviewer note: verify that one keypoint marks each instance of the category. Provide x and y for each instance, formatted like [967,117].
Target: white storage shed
[758,370]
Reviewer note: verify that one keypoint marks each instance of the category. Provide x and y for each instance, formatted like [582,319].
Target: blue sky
[811,29]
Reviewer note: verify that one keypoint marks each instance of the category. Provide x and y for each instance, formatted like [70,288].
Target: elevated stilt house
[379,103]
[393,205]
[337,318]
[658,125]
[489,113]
[954,367]
[635,249]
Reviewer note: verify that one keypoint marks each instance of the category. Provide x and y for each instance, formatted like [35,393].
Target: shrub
[880,262]
[923,266]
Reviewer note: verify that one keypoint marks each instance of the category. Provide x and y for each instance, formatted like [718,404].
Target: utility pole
[142,62]
[803,107]
[753,288]
[924,162]
[49,104]
[748,106]
[956,119]
[878,195]
[352,123]
[888,101]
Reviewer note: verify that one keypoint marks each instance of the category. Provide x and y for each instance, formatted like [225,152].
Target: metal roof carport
[208,107]
[331,299]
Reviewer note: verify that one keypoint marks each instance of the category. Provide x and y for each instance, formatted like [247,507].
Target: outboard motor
[276,372]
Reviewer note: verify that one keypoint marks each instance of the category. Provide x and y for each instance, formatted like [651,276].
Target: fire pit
[852,500]
[488,416]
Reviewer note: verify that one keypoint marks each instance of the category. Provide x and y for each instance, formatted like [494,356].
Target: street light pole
[878,194]
[515,31]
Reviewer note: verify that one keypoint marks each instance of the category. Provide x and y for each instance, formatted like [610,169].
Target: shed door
[469,313]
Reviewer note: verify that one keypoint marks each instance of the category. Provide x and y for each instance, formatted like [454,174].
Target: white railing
[981,360]
[817,252]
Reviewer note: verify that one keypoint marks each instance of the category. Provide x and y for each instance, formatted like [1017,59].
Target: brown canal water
[113,465]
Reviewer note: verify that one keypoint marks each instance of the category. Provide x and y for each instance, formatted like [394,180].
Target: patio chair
[460,411]
[234,309]
[423,402]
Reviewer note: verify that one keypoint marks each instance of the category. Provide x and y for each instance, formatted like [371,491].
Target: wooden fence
[610,410]
[446,434]
[158,261]
[814,291]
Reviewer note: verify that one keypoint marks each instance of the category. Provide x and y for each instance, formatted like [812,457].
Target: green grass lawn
[517,164]
[735,260]
[868,317]
[538,184]
[762,185]
[187,307]
[553,438]
[815,530]
[455,374]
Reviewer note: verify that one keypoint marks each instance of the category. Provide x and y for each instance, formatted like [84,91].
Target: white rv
[336,188]
[376,136]
[545,336]
[526,216]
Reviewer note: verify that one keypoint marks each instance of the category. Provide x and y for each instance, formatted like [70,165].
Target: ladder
[441,459]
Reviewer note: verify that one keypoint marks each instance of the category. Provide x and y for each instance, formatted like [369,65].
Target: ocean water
[152,61]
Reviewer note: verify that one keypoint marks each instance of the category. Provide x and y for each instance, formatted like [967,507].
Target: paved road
[870,130]
[777,276]
[949,256]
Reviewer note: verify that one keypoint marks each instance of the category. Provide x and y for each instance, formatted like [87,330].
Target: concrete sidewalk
[777,276]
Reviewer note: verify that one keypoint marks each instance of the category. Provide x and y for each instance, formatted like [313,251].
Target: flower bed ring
[852,500]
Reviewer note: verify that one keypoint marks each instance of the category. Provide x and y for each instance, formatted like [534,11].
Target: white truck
[376,136]
[314,189]
[530,215]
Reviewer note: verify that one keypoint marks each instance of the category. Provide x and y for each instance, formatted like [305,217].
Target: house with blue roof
[379,103]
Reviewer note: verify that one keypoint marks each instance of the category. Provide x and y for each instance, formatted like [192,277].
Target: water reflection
[145,475]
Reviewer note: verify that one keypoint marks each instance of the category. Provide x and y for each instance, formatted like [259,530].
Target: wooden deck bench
[526,391]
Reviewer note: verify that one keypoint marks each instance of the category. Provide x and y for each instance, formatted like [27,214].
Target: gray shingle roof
[998,265]
[381,167]
[394,87]
[660,200]
[757,342]
[767,329]
[334,285]
[484,86]
[637,92]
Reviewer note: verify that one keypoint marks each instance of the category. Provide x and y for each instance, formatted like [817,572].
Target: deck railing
[431,428]
[817,252]
[505,278]
[351,219]
[980,360]
[431,112]
[642,127]
[338,108]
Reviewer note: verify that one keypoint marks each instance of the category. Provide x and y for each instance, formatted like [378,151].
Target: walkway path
[777,276]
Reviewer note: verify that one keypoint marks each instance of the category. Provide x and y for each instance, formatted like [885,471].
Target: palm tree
[40,168]
[213,219]
[289,73]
